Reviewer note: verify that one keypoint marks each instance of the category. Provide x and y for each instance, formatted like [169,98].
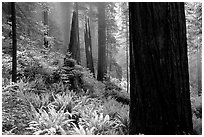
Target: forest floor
[63,103]
[67,101]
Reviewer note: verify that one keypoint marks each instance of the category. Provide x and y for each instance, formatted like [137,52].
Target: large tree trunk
[159,79]
[14,40]
[88,46]
[102,63]
[74,45]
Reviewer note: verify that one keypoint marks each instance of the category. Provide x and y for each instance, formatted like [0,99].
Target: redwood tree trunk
[88,46]
[14,40]
[102,63]
[74,45]
[159,79]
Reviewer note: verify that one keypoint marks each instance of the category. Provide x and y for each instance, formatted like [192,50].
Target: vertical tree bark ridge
[102,63]
[14,40]
[74,45]
[88,46]
[159,92]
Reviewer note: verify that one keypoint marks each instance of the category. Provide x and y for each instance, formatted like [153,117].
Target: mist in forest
[90,68]
[61,13]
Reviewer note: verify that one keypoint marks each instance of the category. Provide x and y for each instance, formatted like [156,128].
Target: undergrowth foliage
[196,105]
[68,100]
[55,114]
[58,107]
[55,96]
[41,107]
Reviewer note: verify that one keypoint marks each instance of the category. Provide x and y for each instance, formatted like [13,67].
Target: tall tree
[45,22]
[14,40]
[88,46]
[159,91]
[111,40]
[74,45]
[194,39]
[102,63]
[123,36]
[125,22]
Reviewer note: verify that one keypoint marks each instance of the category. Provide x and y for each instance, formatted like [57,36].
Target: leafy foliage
[197,125]
[51,113]
[50,122]
[196,106]
[194,25]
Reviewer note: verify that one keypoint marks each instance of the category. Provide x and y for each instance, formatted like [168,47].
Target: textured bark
[88,46]
[14,40]
[159,79]
[102,63]
[74,45]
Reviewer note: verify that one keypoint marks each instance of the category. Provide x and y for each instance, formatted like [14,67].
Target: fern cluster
[58,111]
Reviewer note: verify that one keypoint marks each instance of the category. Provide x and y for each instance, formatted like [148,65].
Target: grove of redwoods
[101,68]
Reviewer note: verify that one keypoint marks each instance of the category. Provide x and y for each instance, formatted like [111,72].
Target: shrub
[51,122]
[71,76]
[93,120]
[15,114]
[112,86]
[197,125]
[6,69]
[119,112]
[196,104]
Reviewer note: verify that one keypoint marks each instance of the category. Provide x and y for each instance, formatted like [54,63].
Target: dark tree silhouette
[45,22]
[102,63]
[88,46]
[74,45]
[14,40]
[159,78]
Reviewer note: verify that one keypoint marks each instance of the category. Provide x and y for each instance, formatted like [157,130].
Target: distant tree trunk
[119,71]
[88,46]
[74,45]
[45,22]
[64,20]
[102,63]
[159,78]
[14,40]
[110,65]
[108,54]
